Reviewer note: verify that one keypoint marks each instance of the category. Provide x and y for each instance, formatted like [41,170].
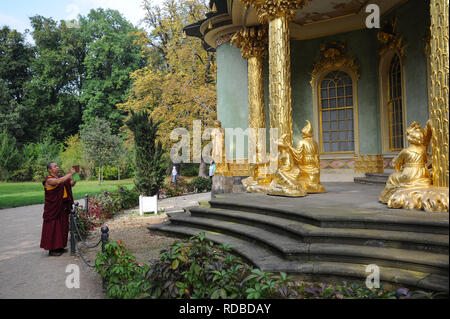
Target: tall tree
[178,83]
[149,161]
[15,60]
[51,95]
[101,146]
[112,55]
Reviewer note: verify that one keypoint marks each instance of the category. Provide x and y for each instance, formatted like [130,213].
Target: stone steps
[335,235]
[327,217]
[312,234]
[309,270]
[293,249]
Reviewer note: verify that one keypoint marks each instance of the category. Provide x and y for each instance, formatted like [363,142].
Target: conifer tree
[149,162]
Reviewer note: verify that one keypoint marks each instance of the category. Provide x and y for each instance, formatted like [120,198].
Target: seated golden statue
[307,158]
[298,172]
[410,164]
[218,151]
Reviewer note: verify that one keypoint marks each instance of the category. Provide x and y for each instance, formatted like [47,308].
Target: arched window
[394,102]
[336,113]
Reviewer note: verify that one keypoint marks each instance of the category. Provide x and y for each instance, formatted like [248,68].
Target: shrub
[189,169]
[202,184]
[196,268]
[9,155]
[125,197]
[40,172]
[345,291]
[22,175]
[123,276]
[84,222]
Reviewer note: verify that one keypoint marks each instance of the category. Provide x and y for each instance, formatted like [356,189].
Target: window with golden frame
[395,110]
[336,113]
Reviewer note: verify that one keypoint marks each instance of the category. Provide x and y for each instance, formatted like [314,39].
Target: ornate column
[278,13]
[253,45]
[439,90]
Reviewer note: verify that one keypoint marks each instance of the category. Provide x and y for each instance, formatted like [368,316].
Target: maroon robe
[55,227]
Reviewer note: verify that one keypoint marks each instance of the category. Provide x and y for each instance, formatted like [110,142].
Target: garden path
[26,270]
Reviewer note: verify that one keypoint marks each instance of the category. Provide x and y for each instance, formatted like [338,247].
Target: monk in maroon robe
[57,206]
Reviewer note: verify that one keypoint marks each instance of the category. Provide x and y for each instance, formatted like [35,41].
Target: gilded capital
[251,41]
[272,9]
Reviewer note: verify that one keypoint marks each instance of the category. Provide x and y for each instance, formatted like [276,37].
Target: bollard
[72,232]
[105,237]
[86,203]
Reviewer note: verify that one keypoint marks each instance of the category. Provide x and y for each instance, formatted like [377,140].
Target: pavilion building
[360,81]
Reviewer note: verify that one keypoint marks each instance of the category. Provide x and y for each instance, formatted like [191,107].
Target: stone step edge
[410,279]
[328,221]
[437,261]
[368,181]
[368,234]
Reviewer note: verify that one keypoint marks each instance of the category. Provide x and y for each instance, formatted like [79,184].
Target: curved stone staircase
[325,242]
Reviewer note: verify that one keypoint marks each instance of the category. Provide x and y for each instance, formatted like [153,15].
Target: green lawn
[30,193]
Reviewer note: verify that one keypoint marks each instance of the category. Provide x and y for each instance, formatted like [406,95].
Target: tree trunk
[99,182]
[118,172]
[202,170]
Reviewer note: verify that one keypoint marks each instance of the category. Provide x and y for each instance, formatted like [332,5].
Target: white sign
[148,204]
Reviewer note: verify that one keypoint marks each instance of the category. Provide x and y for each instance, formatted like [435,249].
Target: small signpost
[148,204]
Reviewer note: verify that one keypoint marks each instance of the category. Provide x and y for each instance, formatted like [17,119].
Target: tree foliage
[15,59]
[149,160]
[9,155]
[68,77]
[178,83]
[112,55]
[100,146]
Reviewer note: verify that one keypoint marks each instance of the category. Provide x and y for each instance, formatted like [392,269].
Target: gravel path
[27,272]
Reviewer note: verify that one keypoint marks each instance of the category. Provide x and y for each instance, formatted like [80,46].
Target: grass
[31,193]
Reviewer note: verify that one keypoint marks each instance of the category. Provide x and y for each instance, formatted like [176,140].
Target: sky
[16,13]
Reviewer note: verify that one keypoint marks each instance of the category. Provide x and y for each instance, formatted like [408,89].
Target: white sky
[15,13]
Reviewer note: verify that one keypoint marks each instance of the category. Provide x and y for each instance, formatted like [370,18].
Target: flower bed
[103,207]
[198,269]
[183,187]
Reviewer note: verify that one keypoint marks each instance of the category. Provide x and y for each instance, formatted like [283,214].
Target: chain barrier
[74,231]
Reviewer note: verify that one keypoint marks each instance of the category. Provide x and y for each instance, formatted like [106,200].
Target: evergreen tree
[9,155]
[149,162]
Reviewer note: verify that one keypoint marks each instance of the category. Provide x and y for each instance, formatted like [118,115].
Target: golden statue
[218,151]
[411,163]
[308,159]
[410,187]
[299,171]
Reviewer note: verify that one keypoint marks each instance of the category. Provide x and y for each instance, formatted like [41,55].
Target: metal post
[105,236]
[86,203]
[72,232]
